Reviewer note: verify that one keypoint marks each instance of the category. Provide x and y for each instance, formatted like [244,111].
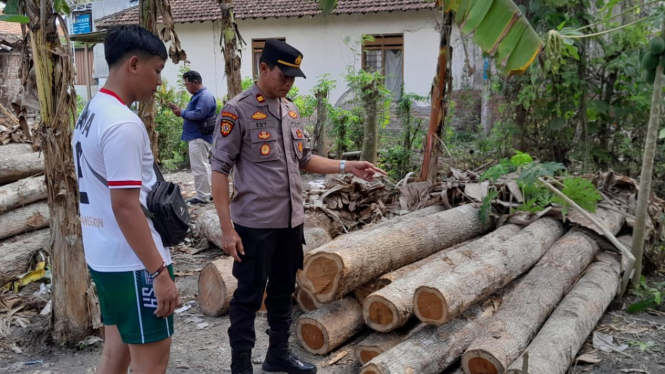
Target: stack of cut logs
[24,212]
[438,285]
[445,285]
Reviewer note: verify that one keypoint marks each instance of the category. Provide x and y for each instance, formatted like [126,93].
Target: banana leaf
[500,30]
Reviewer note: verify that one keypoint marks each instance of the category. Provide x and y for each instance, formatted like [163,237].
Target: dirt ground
[200,344]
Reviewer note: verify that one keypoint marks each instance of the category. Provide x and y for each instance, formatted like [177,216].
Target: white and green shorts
[128,301]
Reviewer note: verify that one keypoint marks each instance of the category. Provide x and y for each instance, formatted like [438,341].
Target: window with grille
[257,48]
[385,53]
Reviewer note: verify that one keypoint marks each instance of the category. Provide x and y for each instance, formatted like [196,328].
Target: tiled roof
[10,27]
[208,10]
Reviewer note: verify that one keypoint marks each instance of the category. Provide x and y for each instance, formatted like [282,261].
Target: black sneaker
[196,200]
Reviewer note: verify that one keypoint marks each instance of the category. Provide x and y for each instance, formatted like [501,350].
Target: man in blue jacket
[201,107]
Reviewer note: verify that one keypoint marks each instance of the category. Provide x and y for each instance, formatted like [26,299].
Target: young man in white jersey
[130,266]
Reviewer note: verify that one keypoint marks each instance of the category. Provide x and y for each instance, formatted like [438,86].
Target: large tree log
[328,327]
[392,306]
[415,214]
[22,192]
[377,342]
[16,253]
[20,166]
[433,348]
[209,227]
[14,149]
[445,297]
[306,301]
[216,287]
[511,329]
[339,267]
[561,337]
[25,219]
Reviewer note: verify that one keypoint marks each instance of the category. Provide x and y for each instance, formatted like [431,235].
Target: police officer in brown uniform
[261,134]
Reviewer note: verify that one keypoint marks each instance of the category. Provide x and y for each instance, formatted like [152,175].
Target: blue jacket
[201,106]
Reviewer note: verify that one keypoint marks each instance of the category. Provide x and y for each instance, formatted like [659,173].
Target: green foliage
[581,191]
[173,151]
[650,296]
[486,205]
[497,171]
[531,172]
[246,83]
[521,159]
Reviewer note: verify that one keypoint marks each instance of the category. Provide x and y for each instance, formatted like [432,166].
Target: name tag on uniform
[260,124]
[295,123]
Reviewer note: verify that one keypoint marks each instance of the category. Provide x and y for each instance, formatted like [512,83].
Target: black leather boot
[281,359]
[241,362]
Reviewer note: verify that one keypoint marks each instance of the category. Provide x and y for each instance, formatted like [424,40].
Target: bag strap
[147,213]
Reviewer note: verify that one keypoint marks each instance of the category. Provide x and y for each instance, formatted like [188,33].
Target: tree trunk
[25,219]
[442,80]
[431,349]
[355,155]
[445,297]
[377,342]
[392,306]
[424,212]
[337,268]
[306,301]
[511,329]
[14,168]
[231,49]
[371,131]
[18,194]
[319,138]
[148,19]
[14,149]
[73,301]
[554,348]
[216,287]
[647,171]
[330,326]
[16,253]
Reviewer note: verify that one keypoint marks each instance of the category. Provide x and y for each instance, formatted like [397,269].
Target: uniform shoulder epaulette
[242,96]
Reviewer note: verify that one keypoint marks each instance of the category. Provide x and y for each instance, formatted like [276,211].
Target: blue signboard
[82,23]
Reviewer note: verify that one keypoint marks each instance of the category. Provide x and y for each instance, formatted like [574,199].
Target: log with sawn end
[443,298]
[392,306]
[553,349]
[339,267]
[377,342]
[525,309]
[330,326]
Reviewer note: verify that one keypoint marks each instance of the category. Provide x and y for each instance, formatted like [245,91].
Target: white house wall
[321,40]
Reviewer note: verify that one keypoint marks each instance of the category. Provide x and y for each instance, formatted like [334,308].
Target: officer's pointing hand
[232,244]
[364,170]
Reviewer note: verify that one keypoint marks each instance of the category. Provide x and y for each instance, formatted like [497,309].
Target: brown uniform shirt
[264,140]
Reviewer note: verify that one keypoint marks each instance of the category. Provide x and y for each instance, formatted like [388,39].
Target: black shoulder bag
[165,207]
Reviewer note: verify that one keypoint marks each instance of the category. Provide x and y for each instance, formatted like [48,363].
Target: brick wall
[10,83]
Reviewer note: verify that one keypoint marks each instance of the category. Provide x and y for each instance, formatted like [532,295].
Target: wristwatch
[342,164]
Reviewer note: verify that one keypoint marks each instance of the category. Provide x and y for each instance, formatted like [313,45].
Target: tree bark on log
[433,348]
[21,166]
[16,253]
[511,329]
[561,337]
[306,301]
[378,342]
[216,287]
[339,267]
[208,226]
[15,149]
[23,220]
[22,192]
[328,327]
[392,306]
[445,297]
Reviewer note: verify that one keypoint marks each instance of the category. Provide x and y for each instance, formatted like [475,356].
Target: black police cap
[284,56]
